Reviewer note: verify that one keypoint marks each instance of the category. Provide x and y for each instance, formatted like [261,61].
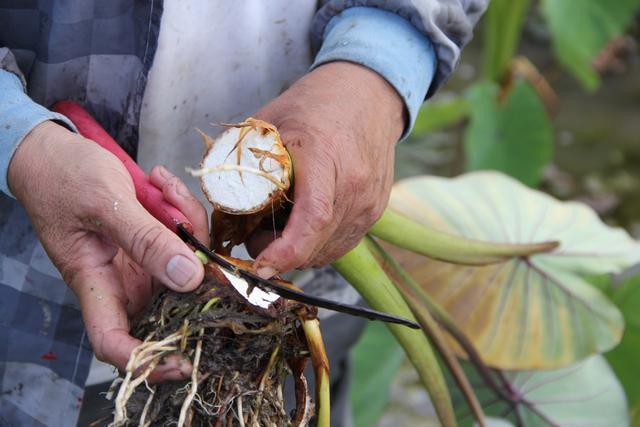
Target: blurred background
[548,92]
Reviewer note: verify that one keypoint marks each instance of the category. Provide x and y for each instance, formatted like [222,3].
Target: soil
[245,354]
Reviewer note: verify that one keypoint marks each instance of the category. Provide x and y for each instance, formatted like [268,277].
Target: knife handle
[147,194]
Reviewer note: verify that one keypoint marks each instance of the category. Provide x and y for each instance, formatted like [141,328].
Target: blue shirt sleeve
[387,44]
[18,115]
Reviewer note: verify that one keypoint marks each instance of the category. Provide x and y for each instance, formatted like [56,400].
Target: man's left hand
[340,124]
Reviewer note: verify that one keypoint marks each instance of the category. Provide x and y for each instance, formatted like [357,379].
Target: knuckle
[293,256]
[99,348]
[146,243]
[318,261]
[357,181]
[289,255]
[359,175]
[374,213]
[99,353]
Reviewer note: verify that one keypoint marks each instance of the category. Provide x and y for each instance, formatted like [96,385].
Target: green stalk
[431,328]
[360,268]
[503,27]
[410,286]
[406,233]
[321,370]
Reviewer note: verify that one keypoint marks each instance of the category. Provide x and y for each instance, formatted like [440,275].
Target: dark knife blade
[291,294]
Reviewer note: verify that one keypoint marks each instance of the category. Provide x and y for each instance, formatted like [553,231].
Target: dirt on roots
[241,355]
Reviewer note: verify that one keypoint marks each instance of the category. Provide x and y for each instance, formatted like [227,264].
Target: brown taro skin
[229,230]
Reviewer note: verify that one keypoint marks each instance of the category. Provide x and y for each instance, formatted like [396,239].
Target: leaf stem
[431,327]
[360,268]
[503,25]
[320,363]
[401,231]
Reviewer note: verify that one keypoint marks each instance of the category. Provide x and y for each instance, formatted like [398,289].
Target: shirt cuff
[18,116]
[387,44]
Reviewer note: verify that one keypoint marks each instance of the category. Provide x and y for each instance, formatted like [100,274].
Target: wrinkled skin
[107,247]
[340,123]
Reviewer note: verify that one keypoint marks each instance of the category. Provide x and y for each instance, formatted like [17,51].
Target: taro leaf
[625,358]
[580,29]
[440,114]
[583,394]
[513,136]
[376,359]
[530,312]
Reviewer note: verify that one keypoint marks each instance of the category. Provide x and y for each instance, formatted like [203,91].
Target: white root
[148,352]
[194,386]
[147,405]
[240,411]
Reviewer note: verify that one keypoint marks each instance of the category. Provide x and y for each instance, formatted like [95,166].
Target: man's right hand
[82,203]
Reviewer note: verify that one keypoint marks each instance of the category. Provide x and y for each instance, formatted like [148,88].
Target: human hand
[82,203]
[340,124]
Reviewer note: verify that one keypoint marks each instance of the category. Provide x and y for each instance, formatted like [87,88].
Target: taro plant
[545,338]
[519,326]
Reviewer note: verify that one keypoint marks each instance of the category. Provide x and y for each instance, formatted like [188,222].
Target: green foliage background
[507,126]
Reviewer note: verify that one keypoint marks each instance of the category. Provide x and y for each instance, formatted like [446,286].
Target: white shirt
[217,61]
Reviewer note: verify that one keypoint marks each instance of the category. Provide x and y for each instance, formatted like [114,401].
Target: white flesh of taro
[257,296]
[251,181]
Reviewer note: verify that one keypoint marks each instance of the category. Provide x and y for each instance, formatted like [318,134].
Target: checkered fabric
[44,351]
[92,51]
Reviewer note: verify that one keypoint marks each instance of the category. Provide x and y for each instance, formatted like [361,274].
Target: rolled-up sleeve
[19,114]
[448,24]
[386,44]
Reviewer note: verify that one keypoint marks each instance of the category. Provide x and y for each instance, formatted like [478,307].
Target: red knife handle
[148,194]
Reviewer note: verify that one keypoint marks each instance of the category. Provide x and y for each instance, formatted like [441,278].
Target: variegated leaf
[530,312]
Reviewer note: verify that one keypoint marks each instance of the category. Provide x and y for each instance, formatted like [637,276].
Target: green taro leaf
[440,114]
[514,136]
[581,28]
[529,312]
[584,394]
[625,358]
[376,360]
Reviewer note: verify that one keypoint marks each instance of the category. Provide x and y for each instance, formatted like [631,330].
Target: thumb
[153,246]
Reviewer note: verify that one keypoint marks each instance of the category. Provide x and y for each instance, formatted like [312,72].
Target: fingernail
[180,270]
[266,272]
